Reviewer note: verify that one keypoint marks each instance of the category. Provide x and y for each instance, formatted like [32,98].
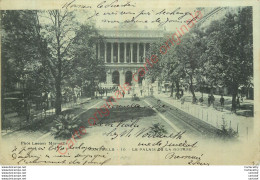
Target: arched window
[115,77]
[128,77]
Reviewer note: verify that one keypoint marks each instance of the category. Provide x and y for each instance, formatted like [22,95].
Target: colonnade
[114,52]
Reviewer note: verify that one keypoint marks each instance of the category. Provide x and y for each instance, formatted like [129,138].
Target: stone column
[107,77]
[138,53]
[118,54]
[112,52]
[125,52]
[105,53]
[134,82]
[98,50]
[131,50]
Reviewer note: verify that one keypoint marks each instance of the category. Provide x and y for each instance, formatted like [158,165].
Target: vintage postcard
[129,82]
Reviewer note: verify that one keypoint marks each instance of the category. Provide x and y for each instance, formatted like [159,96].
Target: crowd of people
[100,92]
[211,100]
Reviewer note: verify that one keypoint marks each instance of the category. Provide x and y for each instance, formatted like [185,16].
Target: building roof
[132,33]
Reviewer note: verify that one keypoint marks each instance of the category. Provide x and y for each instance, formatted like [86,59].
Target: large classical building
[123,52]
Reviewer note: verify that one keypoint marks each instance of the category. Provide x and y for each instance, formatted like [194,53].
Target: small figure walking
[242,98]
[212,98]
[222,101]
[209,100]
[182,101]
[181,92]
[238,101]
[201,100]
[194,100]
[74,98]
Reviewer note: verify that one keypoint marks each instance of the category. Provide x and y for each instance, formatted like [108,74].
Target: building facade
[124,52]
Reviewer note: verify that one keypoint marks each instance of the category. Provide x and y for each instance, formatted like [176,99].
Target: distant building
[123,52]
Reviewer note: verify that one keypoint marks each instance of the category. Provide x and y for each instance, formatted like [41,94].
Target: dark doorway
[140,77]
[128,77]
[115,77]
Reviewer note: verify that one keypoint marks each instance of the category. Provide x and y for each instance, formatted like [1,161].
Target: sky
[144,18]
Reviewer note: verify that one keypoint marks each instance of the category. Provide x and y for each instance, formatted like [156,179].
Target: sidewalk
[246,107]
[241,124]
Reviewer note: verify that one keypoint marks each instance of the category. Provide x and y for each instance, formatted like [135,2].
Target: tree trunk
[177,89]
[234,95]
[58,97]
[202,89]
[58,79]
[192,90]
[177,86]
[248,92]
[172,89]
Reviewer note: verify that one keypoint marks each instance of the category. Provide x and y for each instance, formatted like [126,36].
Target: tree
[71,55]
[48,49]
[85,64]
[230,50]
[189,55]
[58,28]
[155,72]
[175,72]
[171,69]
[21,59]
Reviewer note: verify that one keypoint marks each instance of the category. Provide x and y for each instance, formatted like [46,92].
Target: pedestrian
[212,98]
[234,108]
[222,100]
[209,100]
[201,100]
[182,101]
[52,100]
[181,92]
[75,98]
[123,94]
[141,92]
[238,101]
[44,108]
[194,100]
